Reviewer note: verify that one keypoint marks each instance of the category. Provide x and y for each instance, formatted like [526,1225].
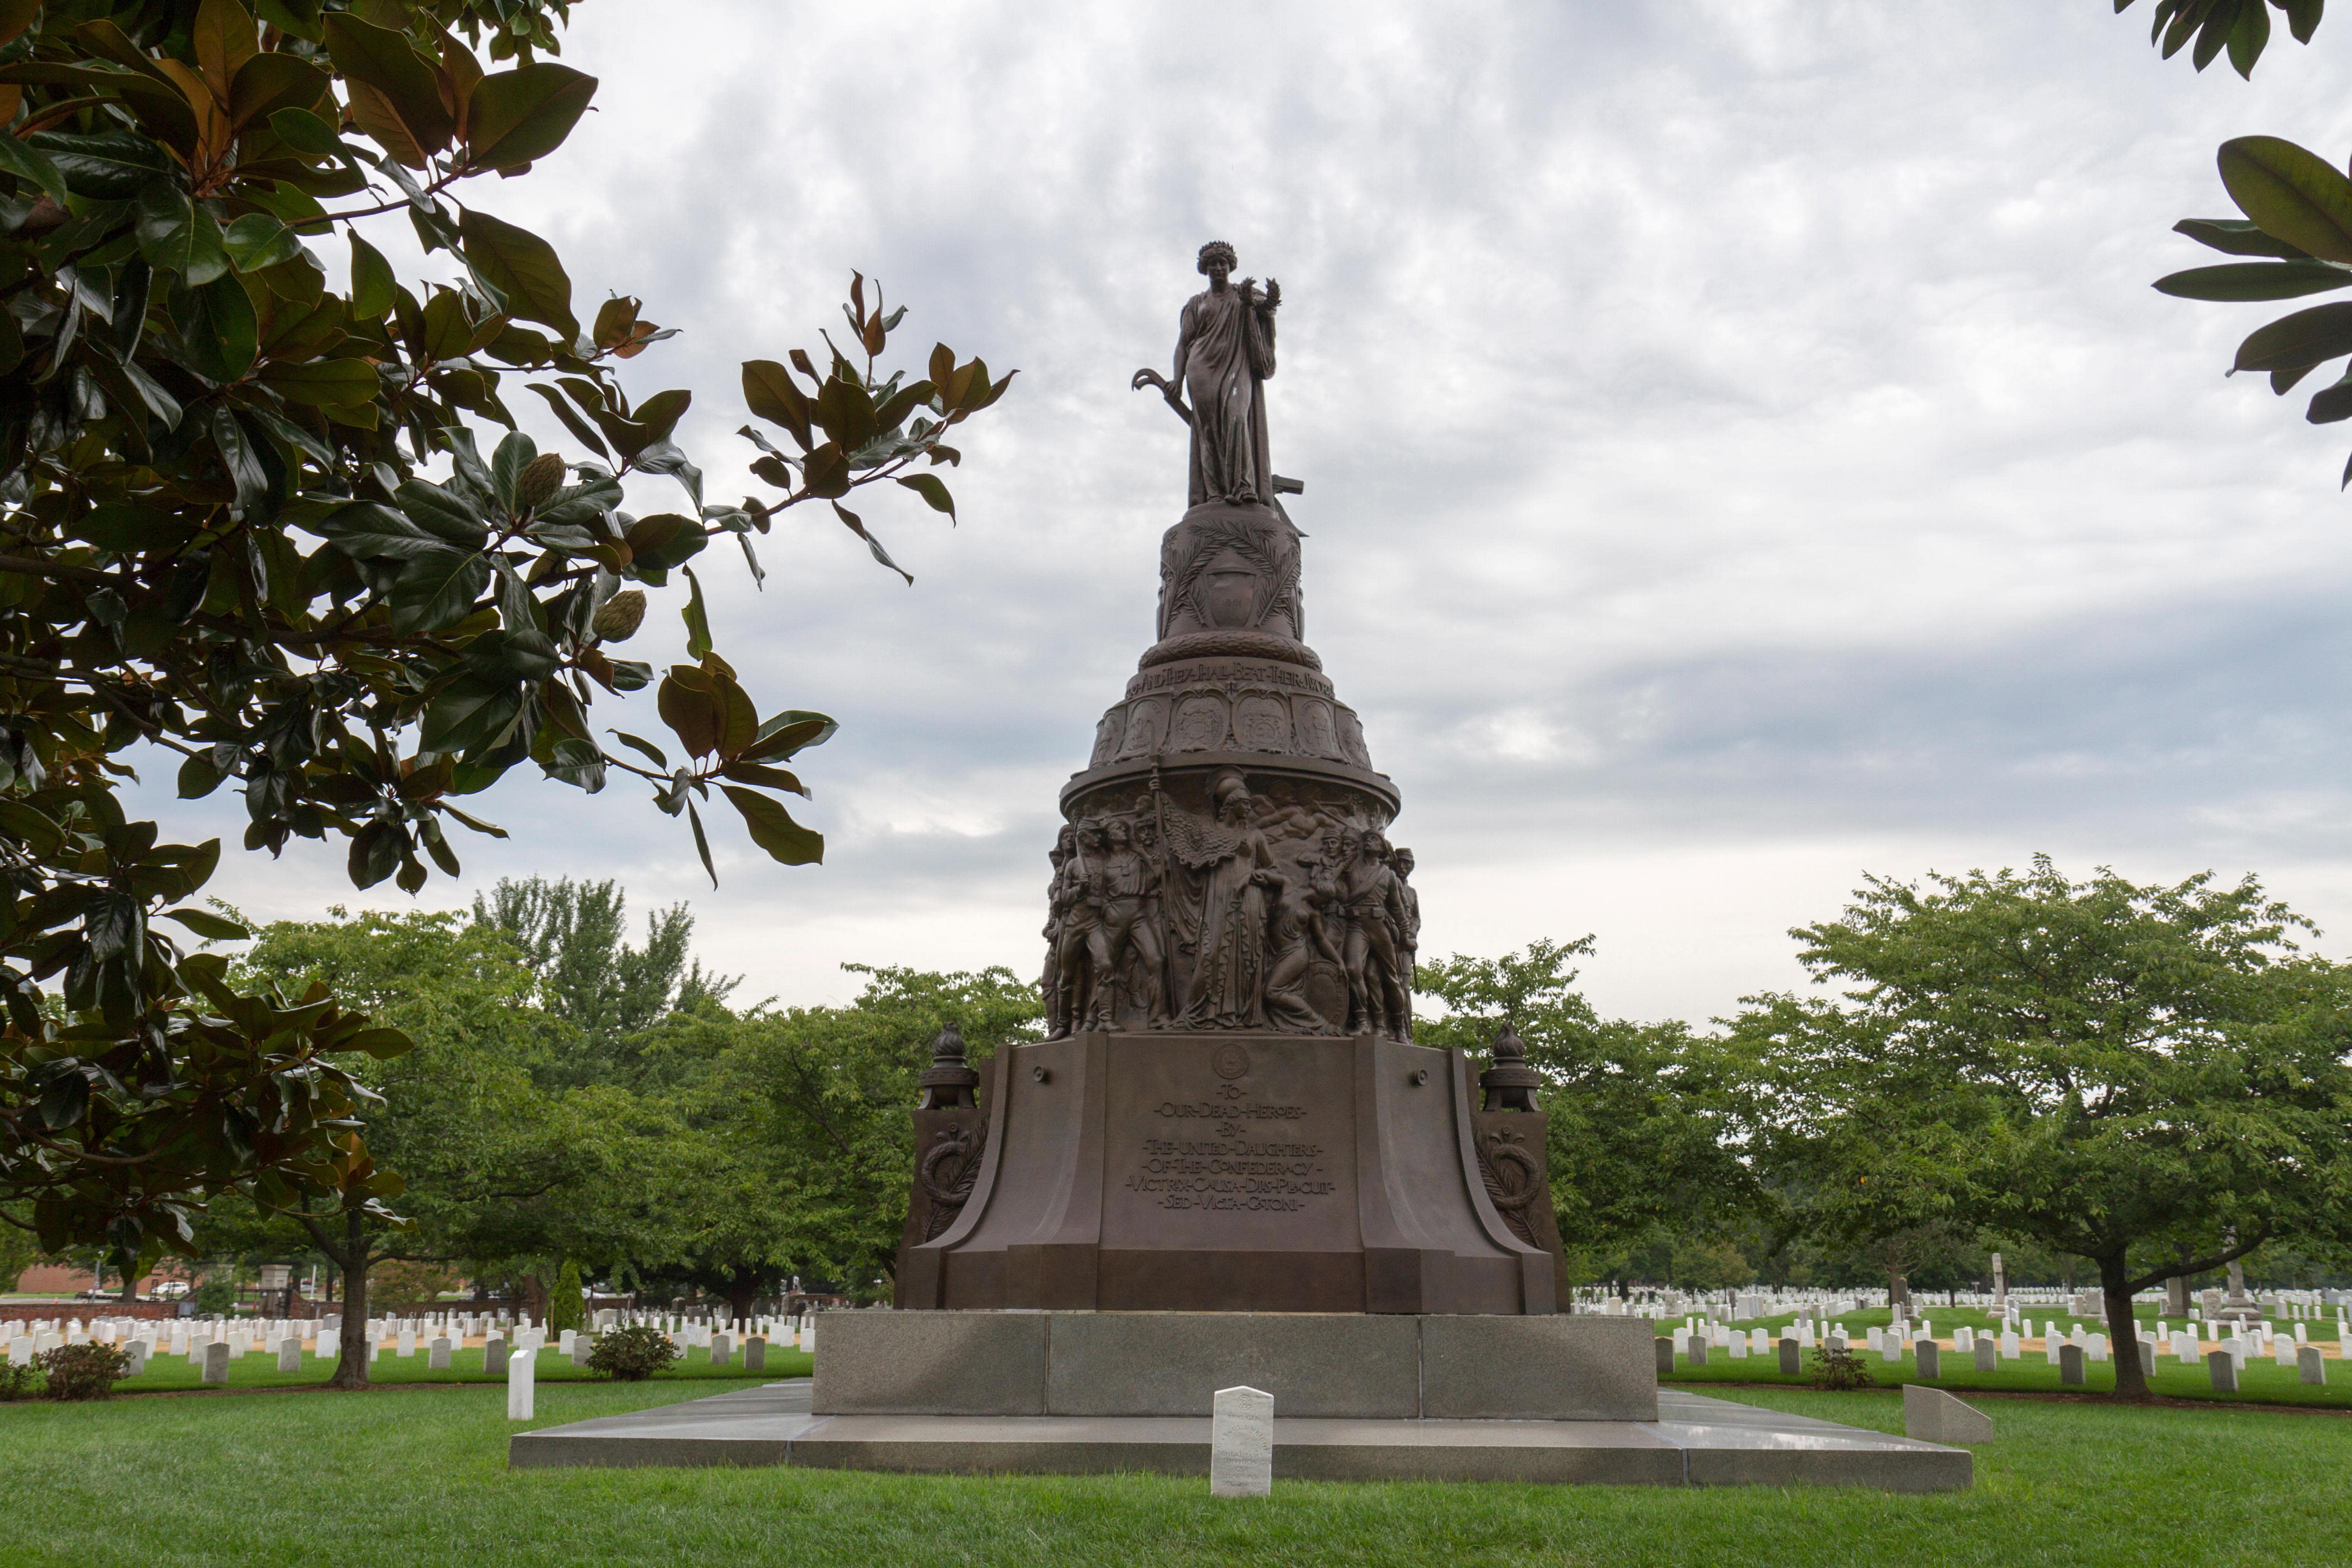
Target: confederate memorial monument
[1229,1113]
[1229,1172]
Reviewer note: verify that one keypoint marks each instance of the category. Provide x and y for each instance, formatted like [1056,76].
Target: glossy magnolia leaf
[373,288]
[218,328]
[2248,280]
[688,707]
[697,619]
[765,777]
[701,843]
[385,60]
[773,829]
[438,591]
[366,530]
[521,115]
[323,381]
[2292,342]
[2235,236]
[523,268]
[207,924]
[792,731]
[660,758]
[259,241]
[2249,34]
[30,163]
[2332,404]
[2294,195]
[272,82]
[928,486]
[857,525]
[770,392]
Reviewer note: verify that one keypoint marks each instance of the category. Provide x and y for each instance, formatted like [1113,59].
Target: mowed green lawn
[259,1369]
[417,1476]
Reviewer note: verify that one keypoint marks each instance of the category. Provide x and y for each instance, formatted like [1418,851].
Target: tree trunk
[2123,1330]
[741,1291]
[1898,1290]
[352,1348]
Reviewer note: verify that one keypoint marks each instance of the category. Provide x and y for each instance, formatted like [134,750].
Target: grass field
[405,1476]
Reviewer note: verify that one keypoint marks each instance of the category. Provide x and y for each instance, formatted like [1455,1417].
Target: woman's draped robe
[1228,980]
[1224,350]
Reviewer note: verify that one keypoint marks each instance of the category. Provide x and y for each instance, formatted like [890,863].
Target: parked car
[169,1290]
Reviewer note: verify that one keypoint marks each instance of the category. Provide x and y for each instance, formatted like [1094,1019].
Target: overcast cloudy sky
[1742,449]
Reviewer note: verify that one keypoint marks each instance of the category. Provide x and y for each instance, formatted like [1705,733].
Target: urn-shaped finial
[1508,1082]
[950,1079]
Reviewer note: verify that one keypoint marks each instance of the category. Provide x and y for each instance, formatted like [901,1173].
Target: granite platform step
[1696,1441]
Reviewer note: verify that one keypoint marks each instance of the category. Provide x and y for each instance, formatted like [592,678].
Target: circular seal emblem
[1230,1060]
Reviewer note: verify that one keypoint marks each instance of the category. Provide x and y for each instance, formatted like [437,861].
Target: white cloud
[1742,449]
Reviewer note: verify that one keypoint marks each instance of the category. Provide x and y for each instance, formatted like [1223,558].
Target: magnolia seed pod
[622,615]
[542,478]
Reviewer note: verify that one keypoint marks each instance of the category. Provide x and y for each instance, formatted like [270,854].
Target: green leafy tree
[219,543]
[832,1090]
[571,935]
[2153,1078]
[1640,1114]
[476,1139]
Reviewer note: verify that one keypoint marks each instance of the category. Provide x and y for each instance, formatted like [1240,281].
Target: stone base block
[1317,1365]
[1694,1441]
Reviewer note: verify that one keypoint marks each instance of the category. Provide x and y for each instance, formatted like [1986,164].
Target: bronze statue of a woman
[1224,353]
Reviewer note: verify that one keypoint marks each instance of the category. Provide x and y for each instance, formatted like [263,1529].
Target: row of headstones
[1750,1305]
[2071,1355]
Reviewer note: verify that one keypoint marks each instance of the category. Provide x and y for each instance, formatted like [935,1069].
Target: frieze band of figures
[1284,909]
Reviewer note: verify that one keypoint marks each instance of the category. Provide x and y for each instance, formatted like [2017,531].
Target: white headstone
[290,1354]
[437,1354]
[520,1386]
[216,1361]
[1240,1443]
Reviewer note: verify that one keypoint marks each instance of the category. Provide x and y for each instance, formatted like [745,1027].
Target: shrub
[83,1372]
[565,1309]
[216,1298]
[631,1354]
[19,1382]
[1836,1368]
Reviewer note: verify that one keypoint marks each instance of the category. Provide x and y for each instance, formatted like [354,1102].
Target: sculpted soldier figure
[1081,979]
[1057,1021]
[1117,884]
[1378,1002]
[1157,912]
[1225,355]
[1400,861]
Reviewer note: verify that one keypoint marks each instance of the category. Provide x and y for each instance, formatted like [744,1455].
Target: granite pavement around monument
[1694,1441]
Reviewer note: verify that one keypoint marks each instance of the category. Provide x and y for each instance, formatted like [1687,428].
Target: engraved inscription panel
[1217,1147]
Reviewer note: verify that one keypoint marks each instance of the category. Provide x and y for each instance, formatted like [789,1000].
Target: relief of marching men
[1294,918]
